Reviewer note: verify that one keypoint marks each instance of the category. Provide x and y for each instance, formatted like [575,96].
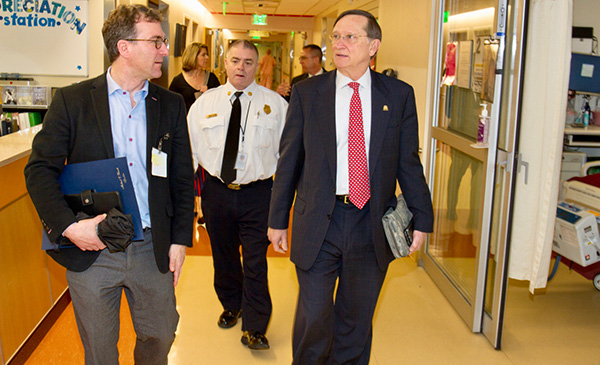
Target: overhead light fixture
[259,19]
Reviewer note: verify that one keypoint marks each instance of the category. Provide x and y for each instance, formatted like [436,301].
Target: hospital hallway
[413,324]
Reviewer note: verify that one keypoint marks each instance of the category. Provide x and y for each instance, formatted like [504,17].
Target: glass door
[508,163]
[471,163]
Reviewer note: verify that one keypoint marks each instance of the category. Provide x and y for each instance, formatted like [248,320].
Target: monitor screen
[180,32]
[585,73]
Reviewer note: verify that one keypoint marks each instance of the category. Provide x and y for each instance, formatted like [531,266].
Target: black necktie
[228,173]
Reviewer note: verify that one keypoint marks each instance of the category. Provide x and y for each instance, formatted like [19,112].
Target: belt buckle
[346,199]
[234,186]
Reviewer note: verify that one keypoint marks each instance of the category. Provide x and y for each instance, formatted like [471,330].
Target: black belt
[241,186]
[344,198]
[248,185]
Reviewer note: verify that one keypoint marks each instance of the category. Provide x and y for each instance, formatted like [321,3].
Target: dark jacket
[308,162]
[77,129]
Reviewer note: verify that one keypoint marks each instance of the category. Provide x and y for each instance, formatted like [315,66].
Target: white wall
[405,48]
[95,52]
[178,11]
[586,13]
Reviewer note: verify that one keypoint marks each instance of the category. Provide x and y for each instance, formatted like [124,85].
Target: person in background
[310,60]
[235,131]
[349,136]
[121,114]
[266,66]
[195,79]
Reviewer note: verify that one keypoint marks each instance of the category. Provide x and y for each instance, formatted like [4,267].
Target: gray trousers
[96,295]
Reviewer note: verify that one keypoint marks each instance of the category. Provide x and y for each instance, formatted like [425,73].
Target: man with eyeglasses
[121,114]
[310,60]
[235,130]
[349,136]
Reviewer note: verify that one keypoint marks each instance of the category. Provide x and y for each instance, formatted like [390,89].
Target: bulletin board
[44,37]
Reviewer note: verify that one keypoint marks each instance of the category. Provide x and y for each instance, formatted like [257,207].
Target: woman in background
[194,79]
[191,83]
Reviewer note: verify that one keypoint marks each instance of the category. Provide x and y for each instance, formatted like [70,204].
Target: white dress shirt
[263,117]
[343,94]
[318,72]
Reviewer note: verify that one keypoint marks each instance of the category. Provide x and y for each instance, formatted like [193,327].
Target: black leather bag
[116,231]
[93,203]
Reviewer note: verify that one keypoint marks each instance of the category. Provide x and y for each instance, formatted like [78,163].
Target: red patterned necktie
[358,173]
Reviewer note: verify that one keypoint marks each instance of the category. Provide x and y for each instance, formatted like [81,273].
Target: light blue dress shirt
[128,127]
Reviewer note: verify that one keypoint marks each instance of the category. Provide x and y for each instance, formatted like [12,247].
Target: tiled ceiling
[270,7]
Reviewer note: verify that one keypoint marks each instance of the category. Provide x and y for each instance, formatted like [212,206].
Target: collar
[318,72]
[342,81]
[249,91]
[114,87]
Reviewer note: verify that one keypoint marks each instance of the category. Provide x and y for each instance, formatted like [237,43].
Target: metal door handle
[507,164]
[521,162]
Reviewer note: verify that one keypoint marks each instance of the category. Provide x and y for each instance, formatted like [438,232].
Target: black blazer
[77,129]
[296,80]
[308,162]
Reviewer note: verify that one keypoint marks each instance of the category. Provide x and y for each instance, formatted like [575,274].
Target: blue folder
[102,176]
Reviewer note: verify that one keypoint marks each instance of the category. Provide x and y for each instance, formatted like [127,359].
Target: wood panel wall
[30,283]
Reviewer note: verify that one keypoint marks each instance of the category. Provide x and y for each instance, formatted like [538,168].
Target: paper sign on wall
[44,37]
[587,70]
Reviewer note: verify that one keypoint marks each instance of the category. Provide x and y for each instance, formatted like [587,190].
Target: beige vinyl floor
[413,324]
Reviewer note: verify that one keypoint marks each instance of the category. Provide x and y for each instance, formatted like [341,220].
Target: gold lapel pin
[385,108]
[249,93]
[229,93]
[267,109]
[211,115]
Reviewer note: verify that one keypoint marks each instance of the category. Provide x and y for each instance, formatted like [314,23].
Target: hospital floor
[413,324]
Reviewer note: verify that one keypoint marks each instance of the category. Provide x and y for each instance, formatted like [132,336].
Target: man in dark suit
[121,114]
[310,60]
[349,136]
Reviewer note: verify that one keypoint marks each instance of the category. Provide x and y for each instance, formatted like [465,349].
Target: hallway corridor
[414,323]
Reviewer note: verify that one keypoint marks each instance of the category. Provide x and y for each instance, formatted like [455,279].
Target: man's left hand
[418,240]
[176,258]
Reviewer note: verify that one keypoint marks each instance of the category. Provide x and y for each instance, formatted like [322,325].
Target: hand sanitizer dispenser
[483,127]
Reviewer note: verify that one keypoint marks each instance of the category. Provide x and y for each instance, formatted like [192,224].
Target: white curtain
[546,81]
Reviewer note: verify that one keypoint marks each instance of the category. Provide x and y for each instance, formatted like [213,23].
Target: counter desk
[30,282]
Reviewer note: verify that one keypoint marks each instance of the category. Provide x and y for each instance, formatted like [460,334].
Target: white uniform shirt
[343,94]
[263,117]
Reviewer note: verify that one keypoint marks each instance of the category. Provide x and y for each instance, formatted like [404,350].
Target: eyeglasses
[158,42]
[348,38]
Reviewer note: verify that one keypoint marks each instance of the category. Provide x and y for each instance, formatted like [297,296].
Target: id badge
[240,161]
[159,163]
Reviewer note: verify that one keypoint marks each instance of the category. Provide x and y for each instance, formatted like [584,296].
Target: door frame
[507,98]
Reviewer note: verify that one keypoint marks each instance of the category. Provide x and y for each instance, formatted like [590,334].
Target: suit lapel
[99,95]
[324,110]
[153,121]
[380,116]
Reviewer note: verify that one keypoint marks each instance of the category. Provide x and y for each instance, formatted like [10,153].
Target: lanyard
[245,121]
